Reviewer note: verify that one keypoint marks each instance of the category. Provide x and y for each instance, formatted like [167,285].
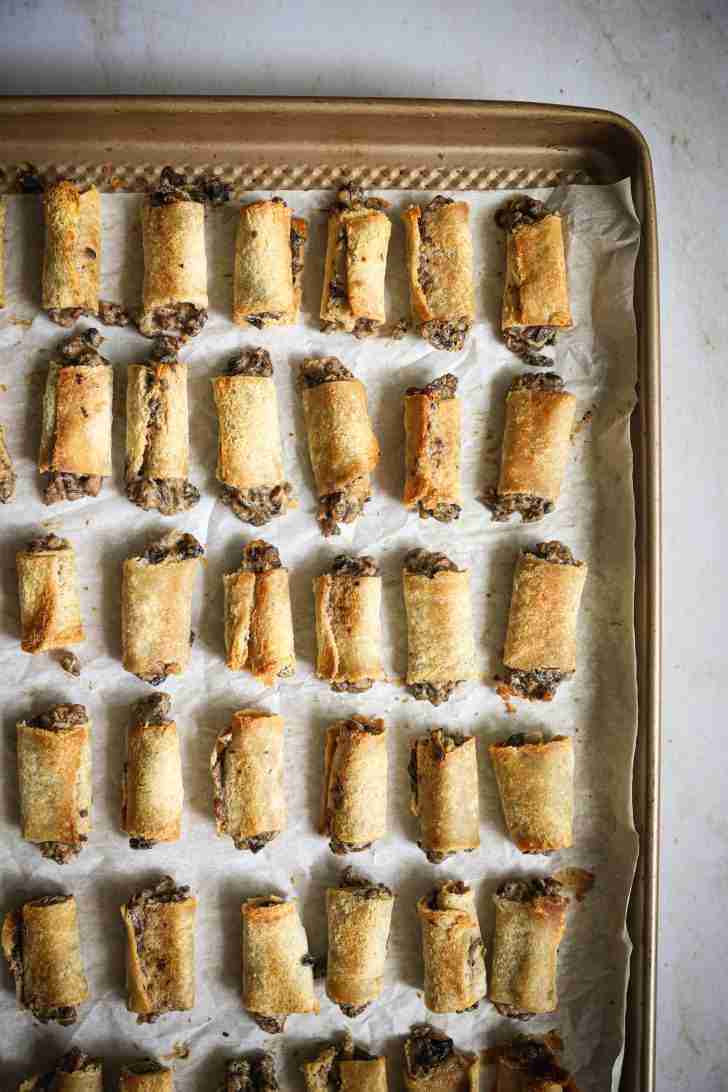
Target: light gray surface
[665,66]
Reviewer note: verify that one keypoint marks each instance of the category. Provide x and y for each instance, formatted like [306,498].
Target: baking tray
[262,143]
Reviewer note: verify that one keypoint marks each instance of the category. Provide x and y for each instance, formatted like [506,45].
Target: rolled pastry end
[258,619]
[359,914]
[348,634]
[146,1075]
[254,1074]
[72,252]
[452,949]
[269,258]
[535,780]
[152,790]
[345,1066]
[433,1063]
[354,803]
[247,773]
[74,1072]
[531,1062]
[432,428]
[7,473]
[277,966]
[50,612]
[443,773]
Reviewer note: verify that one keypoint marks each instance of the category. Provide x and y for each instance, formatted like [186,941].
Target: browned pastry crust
[247,773]
[453,952]
[258,619]
[277,967]
[536,785]
[269,256]
[146,1076]
[352,297]
[432,1063]
[50,612]
[359,915]
[531,1064]
[152,790]
[348,634]
[74,1072]
[443,772]
[346,1067]
[354,799]
[432,452]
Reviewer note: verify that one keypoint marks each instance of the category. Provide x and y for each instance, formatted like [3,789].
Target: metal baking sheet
[261,143]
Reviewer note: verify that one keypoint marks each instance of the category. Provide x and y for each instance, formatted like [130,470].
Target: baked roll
[531,1064]
[75,443]
[254,1074]
[443,772]
[540,648]
[440,646]
[346,1067]
[50,612]
[530,919]
[41,944]
[146,1076]
[160,950]
[152,793]
[348,635]
[258,619]
[536,293]
[277,967]
[453,952]
[342,446]
[247,773]
[269,256]
[352,298]
[157,432]
[7,473]
[249,453]
[354,800]
[74,1072]
[432,1063]
[536,786]
[156,607]
[536,445]
[72,252]
[440,271]
[432,451]
[54,779]
[359,915]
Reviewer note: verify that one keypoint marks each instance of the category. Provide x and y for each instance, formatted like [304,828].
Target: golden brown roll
[277,967]
[157,432]
[359,915]
[352,298]
[247,772]
[540,648]
[152,793]
[7,473]
[530,919]
[41,944]
[531,1064]
[536,785]
[72,252]
[354,800]
[156,607]
[258,619]
[269,255]
[50,612]
[536,293]
[440,646]
[74,1072]
[146,1076]
[75,443]
[440,271]
[432,452]
[453,952]
[256,1073]
[443,771]
[249,453]
[432,1063]
[341,443]
[347,1067]
[54,779]
[160,950]
[536,446]
[348,633]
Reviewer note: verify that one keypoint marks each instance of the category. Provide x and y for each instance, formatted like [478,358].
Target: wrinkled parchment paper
[595,518]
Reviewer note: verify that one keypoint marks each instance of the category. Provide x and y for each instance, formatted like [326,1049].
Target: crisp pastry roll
[440,271]
[254,1074]
[359,915]
[354,799]
[341,443]
[432,1063]
[247,773]
[536,292]
[443,772]
[440,646]
[74,1072]
[535,780]
[258,620]
[72,252]
[346,1067]
[50,612]
[146,1076]
[352,298]
[540,648]
[432,451]
[453,952]
[160,950]
[54,779]
[536,445]
[7,473]
[156,607]
[75,443]
[530,919]
[277,967]
[249,452]
[269,255]
[348,636]
[157,432]
[151,790]
[531,1063]
[42,947]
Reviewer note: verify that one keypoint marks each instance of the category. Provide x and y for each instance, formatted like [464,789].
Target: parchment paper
[594,517]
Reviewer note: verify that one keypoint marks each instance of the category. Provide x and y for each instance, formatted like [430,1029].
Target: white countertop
[662,63]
